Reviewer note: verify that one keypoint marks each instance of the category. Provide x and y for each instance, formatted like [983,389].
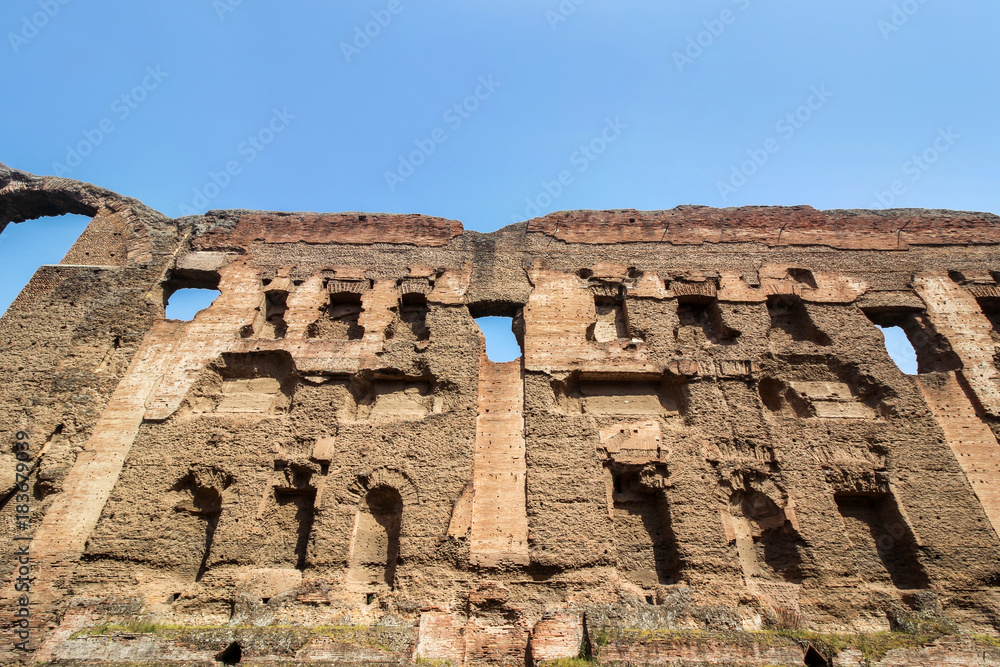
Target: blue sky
[491,112]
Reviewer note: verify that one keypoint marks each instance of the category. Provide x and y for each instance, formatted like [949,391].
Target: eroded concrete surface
[705,433]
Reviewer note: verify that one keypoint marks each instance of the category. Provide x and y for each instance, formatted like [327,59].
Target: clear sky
[475,110]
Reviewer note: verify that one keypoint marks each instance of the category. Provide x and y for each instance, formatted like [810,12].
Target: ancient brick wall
[704,432]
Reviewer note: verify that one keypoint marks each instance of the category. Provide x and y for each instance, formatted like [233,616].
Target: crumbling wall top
[894,229]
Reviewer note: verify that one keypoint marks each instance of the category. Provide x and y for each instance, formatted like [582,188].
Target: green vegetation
[430,662]
[872,646]
[568,662]
[987,639]
[136,626]
[287,638]
[284,638]
[602,636]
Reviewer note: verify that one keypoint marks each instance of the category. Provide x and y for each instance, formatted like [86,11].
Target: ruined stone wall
[704,431]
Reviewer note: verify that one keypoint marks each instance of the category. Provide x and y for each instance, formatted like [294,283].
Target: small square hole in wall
[369,598]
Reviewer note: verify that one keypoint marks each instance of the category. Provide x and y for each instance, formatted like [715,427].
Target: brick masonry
[705,434]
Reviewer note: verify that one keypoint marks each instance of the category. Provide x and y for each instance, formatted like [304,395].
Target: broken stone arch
[750,483]
[387,477]
[759,519]
[383,498]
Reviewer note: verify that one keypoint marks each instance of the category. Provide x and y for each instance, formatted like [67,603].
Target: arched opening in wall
[912,342]
[501,344]
[814,658]
[231,655]
[375,553]
[502,324]
[25,246]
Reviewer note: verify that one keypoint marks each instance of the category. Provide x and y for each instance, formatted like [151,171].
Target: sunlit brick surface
[704,438]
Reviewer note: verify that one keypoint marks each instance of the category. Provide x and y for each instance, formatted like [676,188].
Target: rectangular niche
[644,538]
[612,322]
[292,516]
[767,542]
[835,391]
[339,319]
[791,323]
[250,383]
[882,545]
[700,322]
[831,400]
[249,396]
[618,395]
[391,401]
[362,398]
[990,305]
